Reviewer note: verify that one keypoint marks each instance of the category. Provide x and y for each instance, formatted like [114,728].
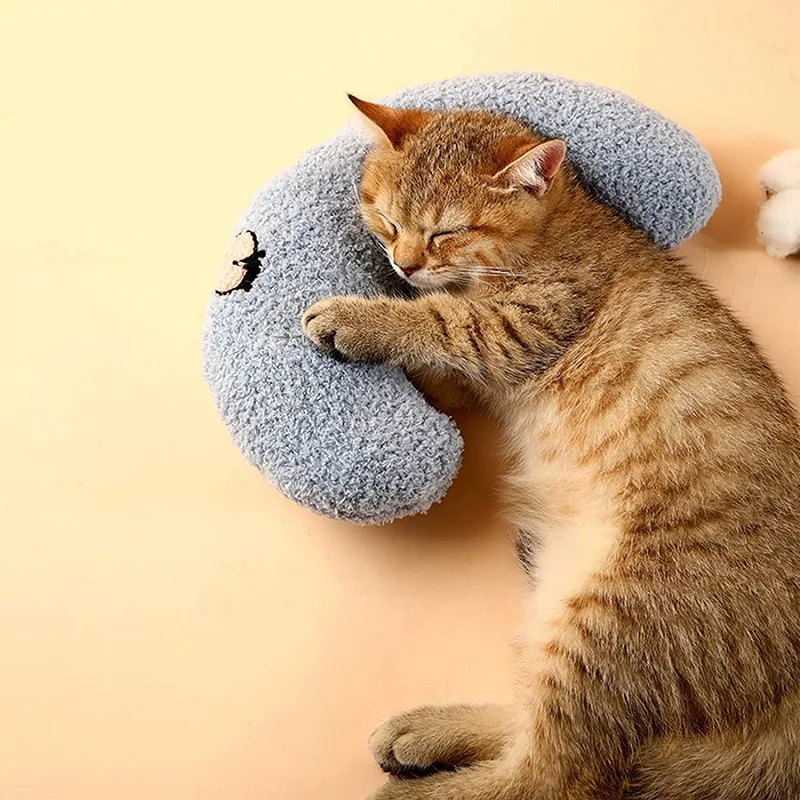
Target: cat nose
[408,265]
[408,257]
[409,269]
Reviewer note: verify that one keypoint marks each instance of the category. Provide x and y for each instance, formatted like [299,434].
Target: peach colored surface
[170,627]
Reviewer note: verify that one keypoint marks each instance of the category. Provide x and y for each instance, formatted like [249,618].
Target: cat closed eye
[390,226]
[441,235]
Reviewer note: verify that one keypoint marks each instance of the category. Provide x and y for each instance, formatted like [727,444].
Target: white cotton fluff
[779,217]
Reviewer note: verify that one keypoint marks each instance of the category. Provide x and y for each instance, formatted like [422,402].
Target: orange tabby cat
[655,481]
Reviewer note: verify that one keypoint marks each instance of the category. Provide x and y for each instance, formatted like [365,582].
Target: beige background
[170,627]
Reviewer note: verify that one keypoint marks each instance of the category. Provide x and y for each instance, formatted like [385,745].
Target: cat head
[456,197]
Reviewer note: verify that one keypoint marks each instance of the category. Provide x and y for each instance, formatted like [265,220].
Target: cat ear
[533,166]
[386,125]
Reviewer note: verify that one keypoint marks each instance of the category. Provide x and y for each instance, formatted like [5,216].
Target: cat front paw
[342,327]
[440,738]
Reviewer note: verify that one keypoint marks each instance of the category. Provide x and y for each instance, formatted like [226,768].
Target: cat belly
[570,555]
[564,513]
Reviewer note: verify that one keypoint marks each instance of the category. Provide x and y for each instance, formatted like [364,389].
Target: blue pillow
[359,442]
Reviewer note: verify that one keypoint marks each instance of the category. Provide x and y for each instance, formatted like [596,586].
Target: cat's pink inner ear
[535,168]
[386,125]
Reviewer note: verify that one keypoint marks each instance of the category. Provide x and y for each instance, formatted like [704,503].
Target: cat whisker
[487,270]
[378,241]
[480,274]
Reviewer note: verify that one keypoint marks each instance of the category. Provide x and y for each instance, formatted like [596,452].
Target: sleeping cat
[654,487]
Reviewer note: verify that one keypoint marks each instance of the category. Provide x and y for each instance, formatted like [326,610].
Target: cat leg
[540,762]
[433,738]
[597,683]
[487,780]
[444,392]
[501,341]
[760,761]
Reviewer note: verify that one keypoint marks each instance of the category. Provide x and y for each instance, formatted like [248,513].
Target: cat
[654,480]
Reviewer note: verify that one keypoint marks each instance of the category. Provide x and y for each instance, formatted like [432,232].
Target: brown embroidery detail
[240,265]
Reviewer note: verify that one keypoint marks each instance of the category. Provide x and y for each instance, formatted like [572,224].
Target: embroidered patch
[240,265]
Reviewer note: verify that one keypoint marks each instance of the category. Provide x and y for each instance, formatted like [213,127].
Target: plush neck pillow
[359,442]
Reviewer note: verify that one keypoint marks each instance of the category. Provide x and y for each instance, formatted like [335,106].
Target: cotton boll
[779,223]
[781,172]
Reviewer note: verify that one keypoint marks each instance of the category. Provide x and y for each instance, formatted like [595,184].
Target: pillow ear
[533,166]
[385,125]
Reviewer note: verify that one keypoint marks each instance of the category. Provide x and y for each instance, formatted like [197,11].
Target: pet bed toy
[355,441]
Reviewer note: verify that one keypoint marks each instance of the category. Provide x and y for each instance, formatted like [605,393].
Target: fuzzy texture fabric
[356,441]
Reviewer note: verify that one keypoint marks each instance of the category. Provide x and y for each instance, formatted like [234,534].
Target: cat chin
[426,281]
